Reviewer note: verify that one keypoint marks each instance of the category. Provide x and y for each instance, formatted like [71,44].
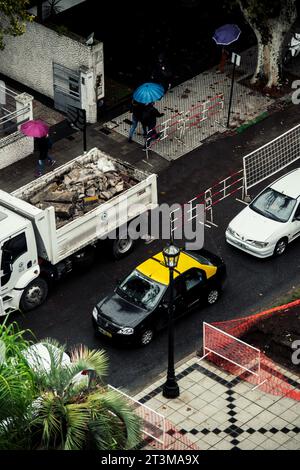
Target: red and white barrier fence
[210,197]
[180,123]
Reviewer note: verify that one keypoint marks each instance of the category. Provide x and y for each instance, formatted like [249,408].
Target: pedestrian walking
[137,111]
[224,58]
[149,118]
[43,145]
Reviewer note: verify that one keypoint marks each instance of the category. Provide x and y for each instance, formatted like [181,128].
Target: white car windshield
[141,291]
[274,205]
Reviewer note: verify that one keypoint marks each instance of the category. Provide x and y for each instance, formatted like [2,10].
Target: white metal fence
[271,157]
[230,348]
[257,166]
[154,424]
[14,110]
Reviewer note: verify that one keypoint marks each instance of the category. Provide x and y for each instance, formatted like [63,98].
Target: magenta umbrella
[35,128]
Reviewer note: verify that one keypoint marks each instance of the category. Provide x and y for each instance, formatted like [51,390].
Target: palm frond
[77,420]
[16,391]
[13,339]
[49,417]
[119,407]
[93,359]
[55,377]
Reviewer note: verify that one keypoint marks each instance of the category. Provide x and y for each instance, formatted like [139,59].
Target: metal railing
[178,125]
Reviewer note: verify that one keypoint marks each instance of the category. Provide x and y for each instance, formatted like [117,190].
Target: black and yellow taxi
[138,307]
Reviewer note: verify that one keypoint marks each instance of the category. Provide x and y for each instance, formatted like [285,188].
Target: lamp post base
[170,389]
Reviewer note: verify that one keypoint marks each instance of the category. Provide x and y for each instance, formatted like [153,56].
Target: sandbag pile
[82,189]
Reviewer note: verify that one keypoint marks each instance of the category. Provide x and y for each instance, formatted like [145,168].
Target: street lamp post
[170,387]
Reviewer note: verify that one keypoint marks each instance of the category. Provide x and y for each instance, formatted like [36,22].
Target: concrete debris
[81,190]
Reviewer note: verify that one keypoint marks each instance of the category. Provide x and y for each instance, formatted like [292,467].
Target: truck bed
[56,244]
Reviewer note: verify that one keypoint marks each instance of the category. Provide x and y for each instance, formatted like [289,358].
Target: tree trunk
[273,54]
[259,71]
[269,54]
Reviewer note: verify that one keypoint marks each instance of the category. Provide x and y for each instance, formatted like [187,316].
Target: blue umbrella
[148,93]
[226,34]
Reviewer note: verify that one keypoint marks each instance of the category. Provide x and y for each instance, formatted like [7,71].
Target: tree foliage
[270,21]
[16,386]
[13,18]
[64,406]
[260,12]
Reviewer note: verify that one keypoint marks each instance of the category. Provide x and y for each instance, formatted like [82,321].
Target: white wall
[18,148]
[29,59]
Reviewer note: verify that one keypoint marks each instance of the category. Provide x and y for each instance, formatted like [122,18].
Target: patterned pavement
[182,109]
[218,411]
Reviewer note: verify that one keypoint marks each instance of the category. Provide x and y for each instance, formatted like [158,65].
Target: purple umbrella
[226,34]
[35,128]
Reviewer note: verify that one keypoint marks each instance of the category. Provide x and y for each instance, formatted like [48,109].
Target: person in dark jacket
[43,145]
[137,110]
[148,120]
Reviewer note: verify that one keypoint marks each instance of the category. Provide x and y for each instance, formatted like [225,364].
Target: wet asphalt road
[251,285]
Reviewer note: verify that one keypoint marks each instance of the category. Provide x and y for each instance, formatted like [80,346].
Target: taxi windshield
[141,291]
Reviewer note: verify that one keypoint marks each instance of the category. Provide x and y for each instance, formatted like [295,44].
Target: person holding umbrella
[44,144]
[40,131]
[144,97]
[149,117]
[137,111]
[225,36]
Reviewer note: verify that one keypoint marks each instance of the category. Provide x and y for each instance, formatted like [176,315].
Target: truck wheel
[34,294]
[122,247]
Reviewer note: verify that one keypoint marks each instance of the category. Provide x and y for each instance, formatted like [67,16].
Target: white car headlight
[95,313]
[258,244]
[230,231]
[126,331]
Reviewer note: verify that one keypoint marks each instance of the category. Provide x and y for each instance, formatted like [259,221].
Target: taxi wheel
[213,295]
[146,337]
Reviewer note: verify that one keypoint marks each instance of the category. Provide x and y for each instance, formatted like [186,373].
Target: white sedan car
[271,221]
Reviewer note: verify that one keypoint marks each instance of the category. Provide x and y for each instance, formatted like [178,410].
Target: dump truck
[40,243]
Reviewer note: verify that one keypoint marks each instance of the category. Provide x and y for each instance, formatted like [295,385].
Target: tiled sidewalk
[218,411]
[246,105]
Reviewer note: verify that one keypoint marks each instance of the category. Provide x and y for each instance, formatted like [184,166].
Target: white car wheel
[280,247]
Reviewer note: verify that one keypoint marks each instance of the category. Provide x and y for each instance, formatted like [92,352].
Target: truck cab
[18,259]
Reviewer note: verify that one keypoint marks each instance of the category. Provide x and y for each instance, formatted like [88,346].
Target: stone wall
[16,148]
[29,59]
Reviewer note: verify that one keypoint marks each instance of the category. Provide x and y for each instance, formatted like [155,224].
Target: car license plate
[104,332]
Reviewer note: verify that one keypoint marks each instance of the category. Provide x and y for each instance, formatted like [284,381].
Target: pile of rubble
[81,189]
